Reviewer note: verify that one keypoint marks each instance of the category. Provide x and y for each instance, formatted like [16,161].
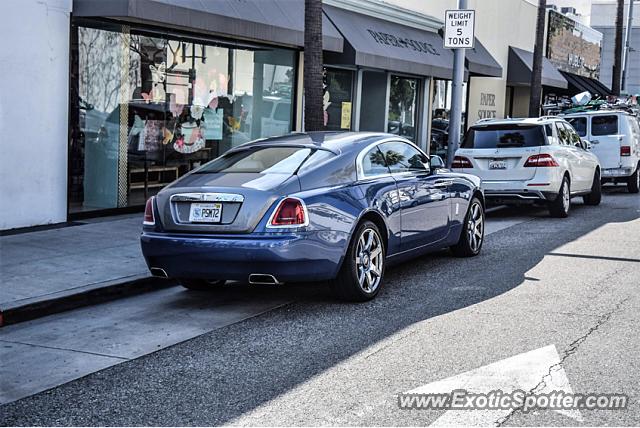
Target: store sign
[487,108]
[459,26]
[573,47]
[402,42]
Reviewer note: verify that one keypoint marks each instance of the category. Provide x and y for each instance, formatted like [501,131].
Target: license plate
[205,213]
[497,164]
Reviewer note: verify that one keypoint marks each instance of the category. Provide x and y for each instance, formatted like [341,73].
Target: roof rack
[550,116]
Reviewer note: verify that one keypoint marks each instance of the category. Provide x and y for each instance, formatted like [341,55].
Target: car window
[572,135]
[604,125]
[403,157]
[563,135]
[283,111]
[373,163]
[579,124]
[506,135]
[264,160]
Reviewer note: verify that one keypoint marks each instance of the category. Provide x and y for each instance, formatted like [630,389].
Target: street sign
[459,26]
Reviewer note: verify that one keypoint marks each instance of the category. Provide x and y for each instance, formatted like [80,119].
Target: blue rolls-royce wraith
[335,206]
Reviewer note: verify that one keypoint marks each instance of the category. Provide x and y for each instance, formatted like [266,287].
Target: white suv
[615,139]
[536,160]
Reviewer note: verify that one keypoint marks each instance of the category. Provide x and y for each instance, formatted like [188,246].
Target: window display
[337,99]
[402,107]
[152,108]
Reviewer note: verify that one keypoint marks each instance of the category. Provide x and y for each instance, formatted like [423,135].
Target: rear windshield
[579,124]
[604,125]
[267,160]
[508,135]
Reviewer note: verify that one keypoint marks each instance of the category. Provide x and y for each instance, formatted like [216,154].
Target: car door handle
[442,183]
[594,142]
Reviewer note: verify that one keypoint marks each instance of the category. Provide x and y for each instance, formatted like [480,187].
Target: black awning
[579,84]
[377,43]
[271,21]
[521,64]
[480,62]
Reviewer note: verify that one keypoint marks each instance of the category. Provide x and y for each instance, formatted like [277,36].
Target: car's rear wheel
[633,182]
[360,277]
[472,235]
[201,284]
[595,196]
[562,204]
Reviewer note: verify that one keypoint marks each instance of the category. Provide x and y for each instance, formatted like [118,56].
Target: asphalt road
[542,288]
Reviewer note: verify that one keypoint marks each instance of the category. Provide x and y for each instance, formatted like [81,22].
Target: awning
[480,62]
[521,64]
[579,84]
[271,21]
[376,43]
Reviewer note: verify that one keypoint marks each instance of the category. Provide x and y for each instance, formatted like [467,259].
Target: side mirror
[437,162]
[585,144]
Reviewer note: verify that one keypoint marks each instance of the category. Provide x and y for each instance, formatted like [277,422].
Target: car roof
[593,112]
[526,120]
[334,141]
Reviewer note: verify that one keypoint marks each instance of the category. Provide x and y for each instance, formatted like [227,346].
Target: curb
[37,307]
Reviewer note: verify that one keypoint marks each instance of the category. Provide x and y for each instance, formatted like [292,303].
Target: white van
[615,138]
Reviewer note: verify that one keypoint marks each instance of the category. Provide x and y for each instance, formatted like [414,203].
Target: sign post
[458,35]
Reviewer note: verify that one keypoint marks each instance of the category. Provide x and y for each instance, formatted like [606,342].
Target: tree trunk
[313,108]
[617,54]
[536,72]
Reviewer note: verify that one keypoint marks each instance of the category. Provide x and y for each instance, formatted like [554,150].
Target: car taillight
[149,219]
[540,160]
[625,150]
[290,212]
[461,162]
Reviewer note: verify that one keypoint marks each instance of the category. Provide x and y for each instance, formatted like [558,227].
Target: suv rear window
[267,160]
[604,125]
[508,135]
[579,124]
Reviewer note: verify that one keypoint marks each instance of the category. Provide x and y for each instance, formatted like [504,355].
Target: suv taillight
[290,212]
[149,219]
[461,162]
[540,160]
[625,150]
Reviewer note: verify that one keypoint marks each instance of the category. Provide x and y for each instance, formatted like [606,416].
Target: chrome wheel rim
[369,260]
[475,227]
[566,197]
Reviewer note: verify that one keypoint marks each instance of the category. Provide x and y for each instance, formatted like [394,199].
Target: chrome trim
[158,272]
[206,197]
[271,279]
[360,176]
[288,226]
[520,195]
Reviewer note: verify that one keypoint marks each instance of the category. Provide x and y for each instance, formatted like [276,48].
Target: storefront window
[153,108]
[338,87]
[402,107]
[441,108]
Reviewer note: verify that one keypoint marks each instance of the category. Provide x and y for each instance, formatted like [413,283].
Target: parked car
[615,139]
[537,160]
[335,206]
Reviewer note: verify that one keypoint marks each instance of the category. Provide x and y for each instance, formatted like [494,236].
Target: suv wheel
[361,274]
[201,284]
[633,182]
[560,207]
[595,196]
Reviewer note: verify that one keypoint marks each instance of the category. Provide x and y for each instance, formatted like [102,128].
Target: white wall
[34,86]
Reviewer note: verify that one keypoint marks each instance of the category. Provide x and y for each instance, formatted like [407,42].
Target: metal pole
[625,58]
[455,117]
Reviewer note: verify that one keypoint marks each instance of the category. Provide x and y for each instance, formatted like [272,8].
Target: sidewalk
[48,271]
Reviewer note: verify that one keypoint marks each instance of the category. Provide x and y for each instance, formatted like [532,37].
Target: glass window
[604,125]
[151,109]
[403,95]
[270,160]
[493,136]
[563,136]
[402,157]
[579,124]
[338,90]
[373,163]
[441,107]
[572,136]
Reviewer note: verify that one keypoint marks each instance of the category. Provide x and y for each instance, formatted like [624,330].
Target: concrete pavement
[568,283]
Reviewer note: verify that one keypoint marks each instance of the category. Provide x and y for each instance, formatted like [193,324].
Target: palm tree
[313,111]
[536,72]
[617,54]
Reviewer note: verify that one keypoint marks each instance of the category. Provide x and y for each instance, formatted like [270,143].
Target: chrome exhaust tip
[158,272]
[262,279]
